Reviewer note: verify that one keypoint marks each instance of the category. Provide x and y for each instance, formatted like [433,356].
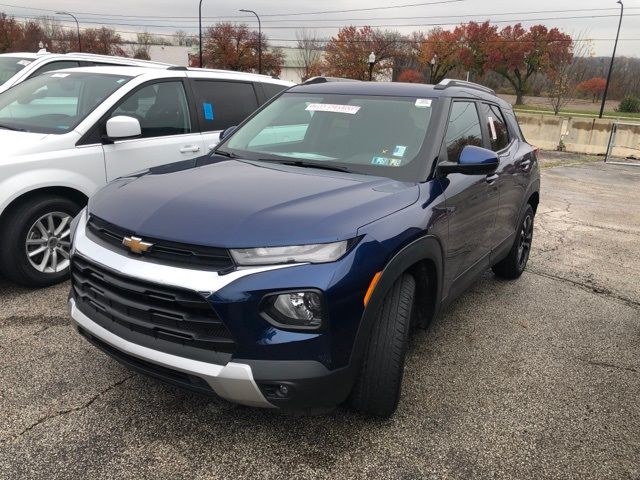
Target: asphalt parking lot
[535,378]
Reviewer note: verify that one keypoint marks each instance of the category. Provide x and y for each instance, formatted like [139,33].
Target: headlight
[74,225]
[316,253]
[299,310]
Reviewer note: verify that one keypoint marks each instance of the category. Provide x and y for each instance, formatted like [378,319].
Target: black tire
[514,264]
[377,389]
[16,225]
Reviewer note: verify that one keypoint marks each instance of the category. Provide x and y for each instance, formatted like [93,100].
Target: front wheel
[35,242]
[514,264]
[377,389]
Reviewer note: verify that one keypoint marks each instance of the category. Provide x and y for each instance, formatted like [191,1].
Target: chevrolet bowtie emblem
[136,245]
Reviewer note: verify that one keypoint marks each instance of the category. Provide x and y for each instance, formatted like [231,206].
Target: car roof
[28,55]
[135,71]
[397,89]
[89,57]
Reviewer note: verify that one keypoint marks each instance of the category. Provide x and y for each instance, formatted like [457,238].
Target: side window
[161,109]
[272,89]
[498,132]
[60,65]
[463,129]
[223,104]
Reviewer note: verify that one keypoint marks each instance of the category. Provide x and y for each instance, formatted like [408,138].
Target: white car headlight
[316,253]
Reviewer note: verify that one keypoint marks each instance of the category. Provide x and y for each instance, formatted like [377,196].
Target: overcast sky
[131,15]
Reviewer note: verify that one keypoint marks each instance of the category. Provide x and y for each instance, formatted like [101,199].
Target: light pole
[613,56]
[372,61]
[433,62]
[77,27]
[259,38]
[200,31]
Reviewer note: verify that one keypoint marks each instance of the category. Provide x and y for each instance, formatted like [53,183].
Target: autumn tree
[517,54]
[103,41]
[475,40]
[438,53]
[309,54]
[10,33]
[347,54]
[594,87]
[411,76]
[235,47]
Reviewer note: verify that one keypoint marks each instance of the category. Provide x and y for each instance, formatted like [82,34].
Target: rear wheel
[35,242]
[377,389]
[514,264]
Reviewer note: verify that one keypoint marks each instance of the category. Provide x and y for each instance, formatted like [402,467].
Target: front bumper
[233,381]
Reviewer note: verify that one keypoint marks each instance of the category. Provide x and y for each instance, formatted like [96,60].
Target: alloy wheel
[524,241]
[48,242]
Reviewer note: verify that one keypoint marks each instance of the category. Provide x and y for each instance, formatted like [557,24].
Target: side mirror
[123,127]
[472,161]
[227,131]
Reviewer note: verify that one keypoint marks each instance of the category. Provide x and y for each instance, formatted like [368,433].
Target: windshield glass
[9,66]
[374,135]
[55,102]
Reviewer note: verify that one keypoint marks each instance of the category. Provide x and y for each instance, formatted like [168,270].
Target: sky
[281,20]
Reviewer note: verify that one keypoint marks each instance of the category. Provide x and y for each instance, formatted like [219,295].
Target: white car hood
[19,143]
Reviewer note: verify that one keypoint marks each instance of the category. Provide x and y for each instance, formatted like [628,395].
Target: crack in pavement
[589,287]
[607,365]
[69,410]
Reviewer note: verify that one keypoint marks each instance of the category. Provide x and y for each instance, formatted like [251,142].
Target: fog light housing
[299,310]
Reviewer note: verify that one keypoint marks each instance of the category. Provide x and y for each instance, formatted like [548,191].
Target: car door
[471,200]
[220,104]
[166,122]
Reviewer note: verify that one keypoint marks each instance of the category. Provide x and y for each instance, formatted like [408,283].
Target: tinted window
[498,133]
[224,104]
[463,129]
[161,109]
[272,89]
[49,67]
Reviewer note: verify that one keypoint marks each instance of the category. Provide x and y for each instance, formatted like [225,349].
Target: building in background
[174,54]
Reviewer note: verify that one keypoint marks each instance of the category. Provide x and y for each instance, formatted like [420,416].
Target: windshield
[9,66]
[55,102]
[374,135]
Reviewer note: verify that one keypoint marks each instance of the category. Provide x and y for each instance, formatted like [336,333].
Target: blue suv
[287,268]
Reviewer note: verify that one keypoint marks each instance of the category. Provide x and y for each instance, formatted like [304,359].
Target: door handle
[526,164]
[190,149]
[492,178]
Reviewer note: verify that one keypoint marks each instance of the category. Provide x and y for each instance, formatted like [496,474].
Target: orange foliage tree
[594,86]
[235,47]
[347,54]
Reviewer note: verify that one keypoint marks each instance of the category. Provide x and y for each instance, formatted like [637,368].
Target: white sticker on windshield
[423,102]
[24,63]
[494,135]
[59,75]
[328,107]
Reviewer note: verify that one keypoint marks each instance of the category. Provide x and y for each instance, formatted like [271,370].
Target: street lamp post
[259,38]
[200,31]
[613,56]
[372,61]
[433,62]
[77,27]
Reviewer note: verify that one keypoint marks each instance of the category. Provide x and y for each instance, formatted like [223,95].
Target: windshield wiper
[14,129]
[323,166]
[225,154]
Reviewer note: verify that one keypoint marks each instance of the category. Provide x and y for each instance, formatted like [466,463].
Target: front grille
[169,253]
[170,314]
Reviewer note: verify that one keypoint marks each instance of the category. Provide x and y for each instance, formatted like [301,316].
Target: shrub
[411,76]
[629,104]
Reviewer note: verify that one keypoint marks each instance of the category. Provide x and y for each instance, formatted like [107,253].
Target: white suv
[66,133]
[18,67]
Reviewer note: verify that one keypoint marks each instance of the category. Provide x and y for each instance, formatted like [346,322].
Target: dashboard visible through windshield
[376,135]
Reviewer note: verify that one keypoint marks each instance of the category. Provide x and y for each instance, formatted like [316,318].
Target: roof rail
[177,67]
[451,82]
[313,80]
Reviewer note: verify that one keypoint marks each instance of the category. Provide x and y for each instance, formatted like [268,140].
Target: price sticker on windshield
[328,107]
[492,127]
[423,102]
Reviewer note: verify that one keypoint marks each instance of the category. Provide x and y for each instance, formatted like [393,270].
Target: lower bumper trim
[233,381]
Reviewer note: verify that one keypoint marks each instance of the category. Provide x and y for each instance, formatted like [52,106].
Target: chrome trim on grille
[201,281]
[233,381]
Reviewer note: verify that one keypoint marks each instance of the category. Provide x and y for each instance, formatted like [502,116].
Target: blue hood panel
[239,204]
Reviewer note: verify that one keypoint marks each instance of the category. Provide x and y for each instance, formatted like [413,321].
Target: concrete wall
[580,134]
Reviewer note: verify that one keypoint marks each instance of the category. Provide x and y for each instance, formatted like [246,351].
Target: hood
[14,143]
[240,204]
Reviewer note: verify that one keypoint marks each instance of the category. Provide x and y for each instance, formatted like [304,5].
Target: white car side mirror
[123,127]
